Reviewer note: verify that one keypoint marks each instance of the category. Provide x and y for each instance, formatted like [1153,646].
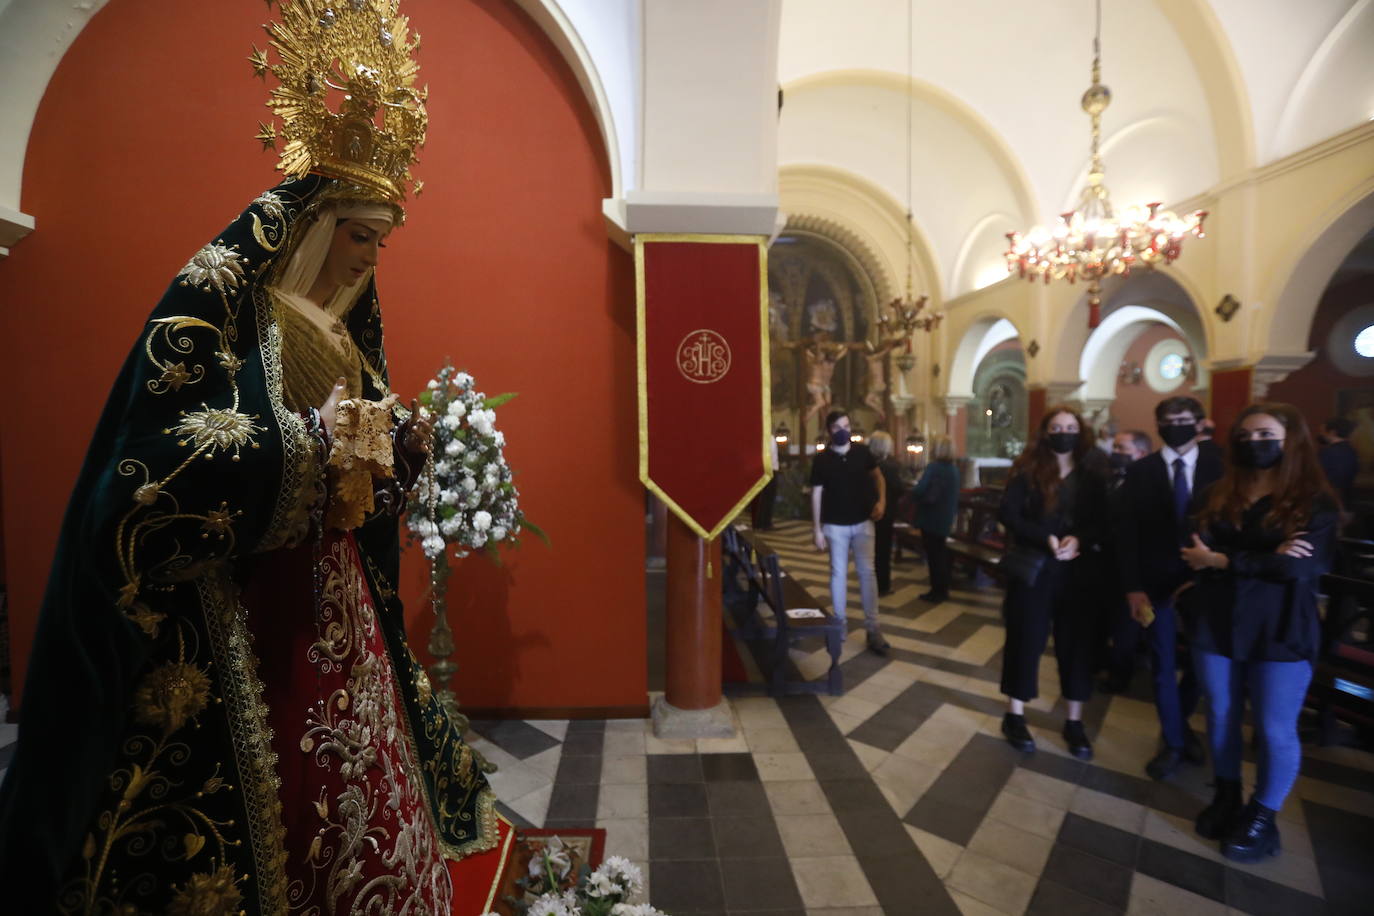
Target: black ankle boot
[1077,740]
[1255,835]
[1216,820]
[1017,735]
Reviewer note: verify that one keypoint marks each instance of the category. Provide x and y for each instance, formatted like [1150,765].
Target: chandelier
[1092,241]
[906,310]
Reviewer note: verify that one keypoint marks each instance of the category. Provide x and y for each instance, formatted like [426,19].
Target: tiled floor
[901,798]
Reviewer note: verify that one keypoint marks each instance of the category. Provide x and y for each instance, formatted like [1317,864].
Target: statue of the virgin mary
[222,714]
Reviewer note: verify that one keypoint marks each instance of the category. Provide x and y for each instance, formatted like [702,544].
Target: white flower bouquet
[606,891]
[466,499]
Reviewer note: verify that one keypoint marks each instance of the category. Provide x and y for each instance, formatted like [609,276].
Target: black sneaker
[1077,738]
[1163,764]
[1017,735]
[877,644]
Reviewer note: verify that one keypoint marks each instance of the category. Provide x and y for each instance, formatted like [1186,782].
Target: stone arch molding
[1166,293]
[970,350]
[866,259]
[1304,279]
[36,34]
[863,210]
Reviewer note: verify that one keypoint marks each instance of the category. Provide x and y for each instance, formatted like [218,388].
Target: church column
[708,171]
[692,705]
[956,422]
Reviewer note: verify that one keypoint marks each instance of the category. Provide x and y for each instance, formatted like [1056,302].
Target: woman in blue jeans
[1264,538]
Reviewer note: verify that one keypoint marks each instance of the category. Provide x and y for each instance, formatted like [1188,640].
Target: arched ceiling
[1203,90]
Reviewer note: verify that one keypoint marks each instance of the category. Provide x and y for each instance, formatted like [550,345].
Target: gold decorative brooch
[348,103]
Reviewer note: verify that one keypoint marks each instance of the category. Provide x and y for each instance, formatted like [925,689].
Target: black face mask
[1062,443]
[839,438]
[1174,436]
[1259,453]
[1120,461]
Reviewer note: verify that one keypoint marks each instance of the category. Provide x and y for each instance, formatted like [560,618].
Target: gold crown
[361,50]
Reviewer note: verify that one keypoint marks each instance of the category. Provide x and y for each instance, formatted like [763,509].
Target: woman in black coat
[1264,539]
[1054,510]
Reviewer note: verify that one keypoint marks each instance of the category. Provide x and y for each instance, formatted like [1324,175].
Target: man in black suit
[1339,459]
[1155,496]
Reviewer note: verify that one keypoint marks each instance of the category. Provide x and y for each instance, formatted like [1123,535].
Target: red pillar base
[692,706]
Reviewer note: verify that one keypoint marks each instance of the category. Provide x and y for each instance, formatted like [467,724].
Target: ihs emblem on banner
[703,357]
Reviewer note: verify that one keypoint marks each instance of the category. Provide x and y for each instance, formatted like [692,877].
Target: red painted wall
[142,150]
[1134,406]
[1314,389]
[1035,408]
[1230,395]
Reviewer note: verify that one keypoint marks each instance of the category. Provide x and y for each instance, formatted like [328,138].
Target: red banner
[703,373]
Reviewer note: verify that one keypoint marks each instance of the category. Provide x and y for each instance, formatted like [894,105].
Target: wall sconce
[1227,307]
[915,445]
[856,434]
[821,443]
[781,434]
[1130,373]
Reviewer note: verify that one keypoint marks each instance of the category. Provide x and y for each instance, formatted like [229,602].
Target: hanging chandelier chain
[1092,243]
[910,254]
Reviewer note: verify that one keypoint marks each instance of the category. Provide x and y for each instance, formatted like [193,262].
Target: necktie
[1181,495]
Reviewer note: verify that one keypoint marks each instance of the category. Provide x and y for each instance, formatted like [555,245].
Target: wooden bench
[753,574]
[1343,682]
[976,542]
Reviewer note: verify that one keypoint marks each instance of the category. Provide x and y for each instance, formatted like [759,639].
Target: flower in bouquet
[467,499]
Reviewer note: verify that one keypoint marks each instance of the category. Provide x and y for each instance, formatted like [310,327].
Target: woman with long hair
[1263,540]
[1054,513]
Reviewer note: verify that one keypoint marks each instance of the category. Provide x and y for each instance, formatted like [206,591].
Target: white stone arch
[36,34]
[864,212]
[1166,292]
[973,346]
[1107,345]
[1304,278]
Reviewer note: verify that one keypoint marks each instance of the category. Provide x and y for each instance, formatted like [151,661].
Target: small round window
[1171,367]
[1364,342]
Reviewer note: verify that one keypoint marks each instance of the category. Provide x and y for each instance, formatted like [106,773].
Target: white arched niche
[977,343]
[1107,345]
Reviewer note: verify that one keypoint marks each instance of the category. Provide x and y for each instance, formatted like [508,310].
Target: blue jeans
[1276,691]
[1175,700]
[841,539]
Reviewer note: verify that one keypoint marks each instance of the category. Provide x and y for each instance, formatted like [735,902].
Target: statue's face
[354,250]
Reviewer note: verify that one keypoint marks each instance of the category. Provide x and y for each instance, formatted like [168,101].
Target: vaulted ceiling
[1204,91]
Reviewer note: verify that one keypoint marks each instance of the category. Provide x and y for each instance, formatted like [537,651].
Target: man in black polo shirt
[847,496]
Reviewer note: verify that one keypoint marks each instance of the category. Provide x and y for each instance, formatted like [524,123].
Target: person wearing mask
[848,494]
[880,444]
[1154,500]
[762,515]
[1264,538]
[937,502]
[1127,448]
[1054,510]
[1338,458]
[1206,438]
